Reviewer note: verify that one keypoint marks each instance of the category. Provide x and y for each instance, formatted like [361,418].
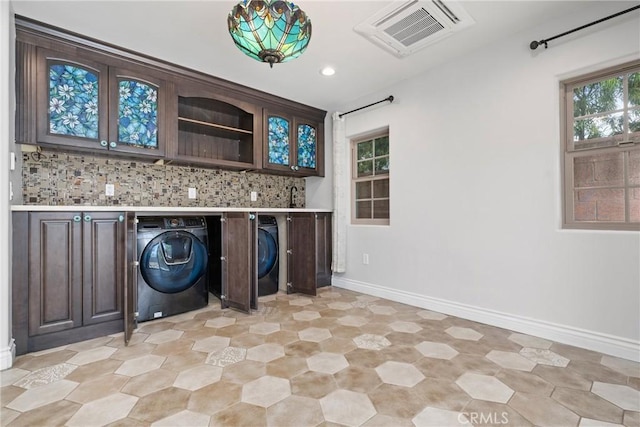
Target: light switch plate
[192,193]
[254,196]
[109,190]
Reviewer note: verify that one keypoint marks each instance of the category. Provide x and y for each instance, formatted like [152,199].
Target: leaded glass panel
[278,140]
[138,114]
[307,146]
[73,101]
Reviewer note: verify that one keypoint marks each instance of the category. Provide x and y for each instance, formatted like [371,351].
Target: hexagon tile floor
[338,359]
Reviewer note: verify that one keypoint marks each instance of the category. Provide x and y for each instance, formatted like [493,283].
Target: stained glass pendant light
[269,30]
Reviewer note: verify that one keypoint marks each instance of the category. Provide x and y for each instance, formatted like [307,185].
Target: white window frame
[619,144]
[354,178]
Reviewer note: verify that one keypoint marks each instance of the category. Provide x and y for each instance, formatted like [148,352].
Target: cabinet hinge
[223,297]
[136,314]
[289,252]
[222,219]
[289,285]
[136,263]
[289,218]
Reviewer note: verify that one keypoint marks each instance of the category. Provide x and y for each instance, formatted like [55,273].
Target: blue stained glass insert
[278,140]
[307,146]
[73,101]
[138,114]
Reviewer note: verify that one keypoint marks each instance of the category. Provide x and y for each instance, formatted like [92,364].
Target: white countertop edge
[156,209]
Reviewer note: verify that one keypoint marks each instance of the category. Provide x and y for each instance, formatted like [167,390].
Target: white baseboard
[7,355]
[603,343]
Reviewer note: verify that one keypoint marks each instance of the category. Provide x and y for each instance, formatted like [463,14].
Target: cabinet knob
[112,144]
[103,143]
[87,218]
[121,218]
[295,167]
[223,258]
[76,218]
[289,252]
[252,217]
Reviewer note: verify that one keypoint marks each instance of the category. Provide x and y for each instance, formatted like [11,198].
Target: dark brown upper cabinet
[214,129]
[86,104]
[292,144]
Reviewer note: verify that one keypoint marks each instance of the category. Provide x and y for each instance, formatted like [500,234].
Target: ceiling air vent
[407,26]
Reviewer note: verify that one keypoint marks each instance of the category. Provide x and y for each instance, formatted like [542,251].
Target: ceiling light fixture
[327,71]
[270,31]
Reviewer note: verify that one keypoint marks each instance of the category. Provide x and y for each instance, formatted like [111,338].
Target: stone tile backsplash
[57,178]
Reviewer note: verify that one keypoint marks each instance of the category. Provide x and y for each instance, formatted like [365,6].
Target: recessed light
[327,71]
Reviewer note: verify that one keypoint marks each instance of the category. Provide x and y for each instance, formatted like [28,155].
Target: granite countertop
[157,209]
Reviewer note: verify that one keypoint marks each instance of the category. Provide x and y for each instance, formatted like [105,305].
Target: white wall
[476,195]
[7,349]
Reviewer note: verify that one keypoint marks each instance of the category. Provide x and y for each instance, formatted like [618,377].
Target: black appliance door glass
[173,261]
[267,253]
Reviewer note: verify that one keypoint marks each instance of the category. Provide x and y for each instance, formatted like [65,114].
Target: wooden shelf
[214,125]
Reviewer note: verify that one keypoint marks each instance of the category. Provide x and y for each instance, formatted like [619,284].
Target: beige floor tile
[183,361]
[10,392]
[247,340]
[265,391]
[483,413]
[295,411]
[211,344]
[302,348]
[621,395]
[10,376]
[543,411]
[103,411]
[226,394]
[287,367]
[33,363]
[240,415]
[371,341]
[140,365]
[41,396]
[92,355]
[436,350]
[402,353]
[623,366]
[133,351]
[7,415]
[464,333]
[631,419]
[328,363]
[150,382]
[93,370]
[244,371]
[594,371]
[54,414]
[530,341]
[435,417]
[164,336]
[396,401]
[282,337]
[188,325]
[314,334]
[93,343]
[174,347]
[576,353]
[397,373]
[588,405]
[198,377]
[226,356]
[183,419]
[347,407]
[44,376]
[313,384]
[265,352]
[544,357]
[337,345]
[154,326]
[220,322]
[525,382]
[510,360]
[98,388]
[562,377]
[485,387]
[264,328]
[440,393]
[160,404]
[358,378]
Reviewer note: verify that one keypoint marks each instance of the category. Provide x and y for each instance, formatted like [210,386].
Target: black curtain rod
[390,99]
[534,44]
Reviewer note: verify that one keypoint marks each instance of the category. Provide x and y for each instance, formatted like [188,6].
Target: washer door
[267,252]
[173,261]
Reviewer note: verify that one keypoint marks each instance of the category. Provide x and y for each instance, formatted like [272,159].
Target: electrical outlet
[365,259]
[192,193]
[109,190]
[254,196]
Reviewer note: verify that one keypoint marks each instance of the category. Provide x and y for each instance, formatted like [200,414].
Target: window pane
[599,97]
[634,204]
[599,205]
[138,114]
[382,146]
[380,188]
[598,170]
[363,190]
[365,168]
[598,127]
[381,208]
[382,165]
[363,209]
[634,89]
[634,167]
[634,120]
[365,150]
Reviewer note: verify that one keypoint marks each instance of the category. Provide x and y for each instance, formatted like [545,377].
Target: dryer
[172,273]
[268,260]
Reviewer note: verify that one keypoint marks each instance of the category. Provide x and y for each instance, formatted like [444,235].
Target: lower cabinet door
[239,257]
[103,266]
[55,273]
[301,252]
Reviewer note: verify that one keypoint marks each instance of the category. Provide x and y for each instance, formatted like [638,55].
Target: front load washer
[268,262]
[172,273]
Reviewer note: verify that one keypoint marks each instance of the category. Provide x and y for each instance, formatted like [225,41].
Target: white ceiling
[194,34]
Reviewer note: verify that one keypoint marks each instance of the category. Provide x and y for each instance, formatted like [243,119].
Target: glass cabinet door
[136,113]
[307,143]
[72,96]
[278,140]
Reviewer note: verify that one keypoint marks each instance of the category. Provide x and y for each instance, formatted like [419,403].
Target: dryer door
[173,261]
[267,252]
